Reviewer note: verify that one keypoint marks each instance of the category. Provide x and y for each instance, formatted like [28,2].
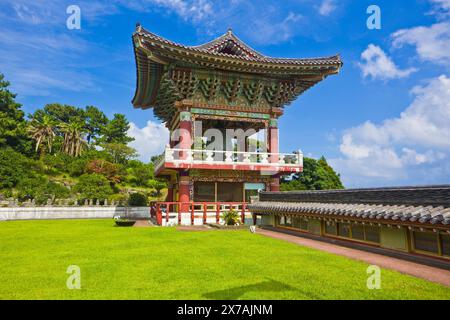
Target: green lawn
[163,263]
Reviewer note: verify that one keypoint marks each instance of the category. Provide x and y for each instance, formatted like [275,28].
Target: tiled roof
[426,205]
[241,50]
[421,214]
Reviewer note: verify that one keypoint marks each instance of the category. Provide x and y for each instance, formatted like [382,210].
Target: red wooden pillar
[184,193]
[273,140]
[192,214]
[217,212]
[274,184]
[185,128]
[169,197]
[158,215]
[167,213]
[179,214]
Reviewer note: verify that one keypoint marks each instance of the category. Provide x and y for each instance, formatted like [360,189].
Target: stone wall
[76,212]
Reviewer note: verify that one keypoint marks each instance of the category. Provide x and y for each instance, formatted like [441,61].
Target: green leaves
[231,217]
[93,186]
[116,130]
[316,175]
[12,122]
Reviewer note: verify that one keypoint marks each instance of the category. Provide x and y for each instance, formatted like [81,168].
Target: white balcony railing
[193,156]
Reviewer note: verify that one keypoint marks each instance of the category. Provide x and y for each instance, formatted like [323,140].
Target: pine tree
[116,130]
[12,122]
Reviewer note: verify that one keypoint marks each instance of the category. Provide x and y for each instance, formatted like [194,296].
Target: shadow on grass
[269,285]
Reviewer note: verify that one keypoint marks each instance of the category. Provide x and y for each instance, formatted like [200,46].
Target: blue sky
[384,120]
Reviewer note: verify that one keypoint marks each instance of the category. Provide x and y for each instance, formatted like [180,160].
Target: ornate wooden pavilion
[221,86]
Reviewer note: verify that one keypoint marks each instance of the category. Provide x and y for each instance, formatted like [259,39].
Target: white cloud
[441,8]
[275,32]
[192,10]
[412,147]
[431,43]
[378,65]
[327,7]
[149,140]
[260,21]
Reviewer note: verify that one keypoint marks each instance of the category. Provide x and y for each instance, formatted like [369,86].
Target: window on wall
[296,222]
[300,223]
[426,241]
[358,232]
[445,243]
[284,221]
[230,191]
[288,221]
[343,229]
[330,228]
[204,191]
[372,233]
[355,231]
[304,224]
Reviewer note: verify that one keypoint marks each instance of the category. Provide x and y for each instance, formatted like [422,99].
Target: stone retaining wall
[81,212]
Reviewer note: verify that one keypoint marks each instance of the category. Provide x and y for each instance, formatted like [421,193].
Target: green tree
[13,168]
[139,173]
[157,185]
[107,169]
[116,130]
[119,152]
[74,143]
[316,175]
[12,122]
[93,186]
[42,131]
[40,189]
[96,121]
[137,200]
[64,113]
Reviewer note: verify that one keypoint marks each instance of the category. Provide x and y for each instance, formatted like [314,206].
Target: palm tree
[42,131]
[74,142]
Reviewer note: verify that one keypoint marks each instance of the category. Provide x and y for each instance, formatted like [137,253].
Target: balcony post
[179,213]
[243,213]
[300,158]
[167,213]
[192,214]
[204,213]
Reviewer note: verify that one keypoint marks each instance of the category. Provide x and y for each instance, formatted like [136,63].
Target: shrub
[137,200]
[76,167]
[107,169]
[58,161]
[41,190]
[139,173]
[29,188]
[93,186]
[118,198]
[157,185]
[13,168]
[231,217]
